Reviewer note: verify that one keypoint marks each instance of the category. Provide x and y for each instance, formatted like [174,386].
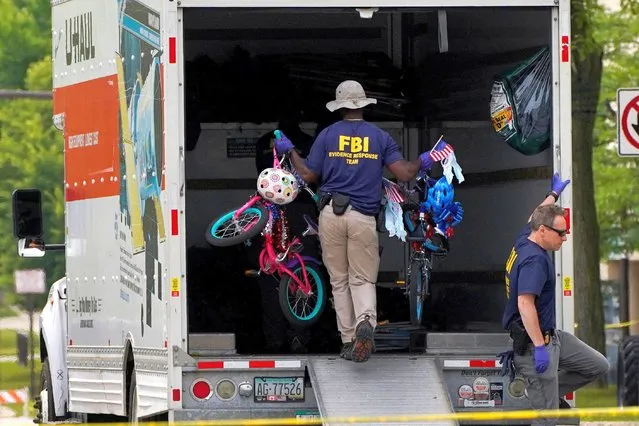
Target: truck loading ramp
[385,385]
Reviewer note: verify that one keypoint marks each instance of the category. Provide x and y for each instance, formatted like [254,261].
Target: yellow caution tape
[621,324]
[608,413]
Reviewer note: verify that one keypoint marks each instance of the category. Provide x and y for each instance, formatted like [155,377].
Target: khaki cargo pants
[350,251]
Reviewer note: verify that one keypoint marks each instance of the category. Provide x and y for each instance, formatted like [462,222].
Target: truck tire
[628,372]
[132,409]
[45,384]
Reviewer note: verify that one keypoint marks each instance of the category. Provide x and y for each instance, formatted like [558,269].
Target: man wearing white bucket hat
[348,159]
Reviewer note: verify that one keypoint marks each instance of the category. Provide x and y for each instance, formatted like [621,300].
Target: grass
[8,343]
[6,312]
[14,376]
[592,397]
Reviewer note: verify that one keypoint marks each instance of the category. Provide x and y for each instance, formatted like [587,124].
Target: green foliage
[25,30]
[31,156]
[39,75]
[31,149]
[583,17]
[616,178]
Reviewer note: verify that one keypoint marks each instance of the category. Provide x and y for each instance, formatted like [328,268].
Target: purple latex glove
[558,185]
[427,162]
[542,358]
[283,145]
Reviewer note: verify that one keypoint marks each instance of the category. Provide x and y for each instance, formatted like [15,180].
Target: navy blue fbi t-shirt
[349,157]
[530,270]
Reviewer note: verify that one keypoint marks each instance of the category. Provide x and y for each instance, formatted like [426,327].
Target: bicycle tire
[316,312]
[417,305]
[242,236]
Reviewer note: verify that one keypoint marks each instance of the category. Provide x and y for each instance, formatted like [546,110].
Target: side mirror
[31,247]
[27,214]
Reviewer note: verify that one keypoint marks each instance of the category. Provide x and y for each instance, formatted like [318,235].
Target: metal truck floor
[385,385]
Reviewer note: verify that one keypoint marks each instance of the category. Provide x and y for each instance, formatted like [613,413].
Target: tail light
[201,389]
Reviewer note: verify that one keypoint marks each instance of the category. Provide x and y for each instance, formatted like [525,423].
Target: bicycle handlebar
[279,163]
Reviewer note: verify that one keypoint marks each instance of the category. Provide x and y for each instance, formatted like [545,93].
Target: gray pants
[573,364]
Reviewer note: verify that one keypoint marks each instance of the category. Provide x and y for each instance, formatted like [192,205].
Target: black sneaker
[347,351]
[563,404]
[364,342]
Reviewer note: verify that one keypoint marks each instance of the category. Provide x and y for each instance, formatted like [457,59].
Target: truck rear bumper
[244,414]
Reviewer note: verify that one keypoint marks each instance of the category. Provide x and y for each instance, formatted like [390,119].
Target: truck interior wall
[449,94]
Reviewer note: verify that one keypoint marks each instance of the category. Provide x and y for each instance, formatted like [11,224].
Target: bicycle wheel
[298,308]
[417,291]
[225,231]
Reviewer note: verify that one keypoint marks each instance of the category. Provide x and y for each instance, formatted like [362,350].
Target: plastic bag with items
[521,104]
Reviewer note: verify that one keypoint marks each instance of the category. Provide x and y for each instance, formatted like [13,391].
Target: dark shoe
[563,404]
[363,341]
[347,351]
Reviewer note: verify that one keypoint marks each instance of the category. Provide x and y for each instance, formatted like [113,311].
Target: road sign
[628,122]
[30,281]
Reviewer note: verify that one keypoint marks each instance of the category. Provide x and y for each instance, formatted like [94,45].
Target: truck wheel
[132,412]
[46,384]
[628,372]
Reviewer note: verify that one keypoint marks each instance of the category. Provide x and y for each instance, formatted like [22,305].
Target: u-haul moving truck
[123,334]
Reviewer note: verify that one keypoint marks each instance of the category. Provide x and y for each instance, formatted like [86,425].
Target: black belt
[520,337]
[328,203]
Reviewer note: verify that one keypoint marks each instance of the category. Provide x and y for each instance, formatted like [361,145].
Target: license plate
[279,389]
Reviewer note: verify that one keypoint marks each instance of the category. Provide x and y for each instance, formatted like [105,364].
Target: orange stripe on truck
[91,137]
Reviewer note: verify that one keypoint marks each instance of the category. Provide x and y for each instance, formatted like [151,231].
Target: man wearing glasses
[540,350]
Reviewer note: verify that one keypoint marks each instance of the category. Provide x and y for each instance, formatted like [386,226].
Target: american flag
[441,150]
[393,192]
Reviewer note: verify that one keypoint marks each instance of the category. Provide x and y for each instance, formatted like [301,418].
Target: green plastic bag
[521,104]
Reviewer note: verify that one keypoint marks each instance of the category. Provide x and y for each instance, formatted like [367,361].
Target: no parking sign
[628,122]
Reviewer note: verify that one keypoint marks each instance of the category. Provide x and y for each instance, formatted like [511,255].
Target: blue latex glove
[283,145]
[542,358]
[427,162]
[558,185]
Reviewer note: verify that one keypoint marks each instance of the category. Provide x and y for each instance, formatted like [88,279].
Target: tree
[31,156]
[30,147]
[617,189]
[25,31]
[587,57]
[594,29]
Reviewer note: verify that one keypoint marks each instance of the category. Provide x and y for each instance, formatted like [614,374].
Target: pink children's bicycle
[302,294]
